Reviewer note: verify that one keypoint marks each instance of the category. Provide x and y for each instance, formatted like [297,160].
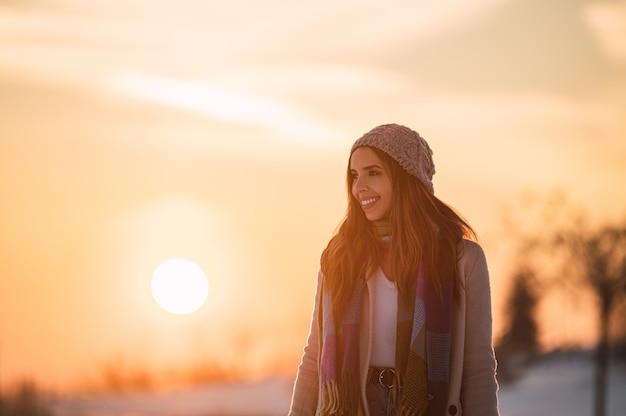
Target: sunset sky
[134,131]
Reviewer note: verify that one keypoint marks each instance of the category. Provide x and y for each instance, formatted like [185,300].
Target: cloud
[608,22]
[266,30]
[222,103]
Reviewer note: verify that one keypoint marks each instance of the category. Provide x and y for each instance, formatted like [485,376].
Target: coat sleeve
[479,388]
[306,387]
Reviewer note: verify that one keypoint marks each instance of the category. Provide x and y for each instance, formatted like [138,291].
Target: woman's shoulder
[470,250]
[470,245]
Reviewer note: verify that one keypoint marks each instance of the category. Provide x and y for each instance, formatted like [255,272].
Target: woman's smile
[369,201]
[371,183]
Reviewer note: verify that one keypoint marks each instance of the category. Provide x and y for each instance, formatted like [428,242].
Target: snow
[563,385]
[558,385]
[265,398]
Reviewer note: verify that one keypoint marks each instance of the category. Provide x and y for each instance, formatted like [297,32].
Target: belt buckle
[382,375]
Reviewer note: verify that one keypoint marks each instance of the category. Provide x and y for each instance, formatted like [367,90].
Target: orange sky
[134,131]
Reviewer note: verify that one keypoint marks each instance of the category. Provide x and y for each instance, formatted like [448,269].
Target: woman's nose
[360,184]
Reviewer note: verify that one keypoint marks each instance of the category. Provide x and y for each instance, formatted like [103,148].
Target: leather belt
[384,376]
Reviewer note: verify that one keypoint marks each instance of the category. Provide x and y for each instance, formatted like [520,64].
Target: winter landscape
[215,136]
[556,385]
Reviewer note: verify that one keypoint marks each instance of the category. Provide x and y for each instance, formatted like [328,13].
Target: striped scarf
[422,352]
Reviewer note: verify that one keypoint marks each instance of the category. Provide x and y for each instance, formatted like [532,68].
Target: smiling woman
[179,286]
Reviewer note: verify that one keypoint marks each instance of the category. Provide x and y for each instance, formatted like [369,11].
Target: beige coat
[472,386]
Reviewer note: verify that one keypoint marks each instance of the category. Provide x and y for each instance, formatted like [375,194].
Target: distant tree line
[24,400]
[565,250]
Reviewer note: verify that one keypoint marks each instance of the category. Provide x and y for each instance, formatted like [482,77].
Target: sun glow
[179,286]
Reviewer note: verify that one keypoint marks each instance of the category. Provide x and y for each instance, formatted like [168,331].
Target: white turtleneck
[384,310]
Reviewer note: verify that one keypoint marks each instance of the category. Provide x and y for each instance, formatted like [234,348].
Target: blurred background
[136,131]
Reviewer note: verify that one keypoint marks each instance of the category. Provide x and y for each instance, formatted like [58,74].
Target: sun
[179,286]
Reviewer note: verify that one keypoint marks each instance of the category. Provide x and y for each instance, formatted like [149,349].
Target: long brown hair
[419,221]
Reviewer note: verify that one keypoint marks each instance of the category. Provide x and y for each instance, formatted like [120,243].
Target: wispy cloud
[608,22]
[226,105]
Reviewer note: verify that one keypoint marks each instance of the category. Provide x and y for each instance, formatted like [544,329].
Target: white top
[384,310]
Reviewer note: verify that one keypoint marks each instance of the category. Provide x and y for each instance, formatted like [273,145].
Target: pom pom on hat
[406,147]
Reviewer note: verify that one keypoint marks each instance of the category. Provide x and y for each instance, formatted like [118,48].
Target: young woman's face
[371,183]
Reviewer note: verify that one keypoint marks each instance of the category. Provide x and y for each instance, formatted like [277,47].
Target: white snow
[265,398]
[563,385]
[559,385]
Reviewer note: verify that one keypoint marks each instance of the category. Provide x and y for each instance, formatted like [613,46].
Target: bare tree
[519,345]
[598,258]
[594,260]
[529,226]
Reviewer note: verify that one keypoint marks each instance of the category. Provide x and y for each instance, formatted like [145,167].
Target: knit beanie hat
[406,147]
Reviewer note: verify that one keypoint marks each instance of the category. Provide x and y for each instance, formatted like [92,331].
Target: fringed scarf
[422,350]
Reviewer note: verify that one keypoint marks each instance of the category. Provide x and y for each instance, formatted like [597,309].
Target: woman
[402,316]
